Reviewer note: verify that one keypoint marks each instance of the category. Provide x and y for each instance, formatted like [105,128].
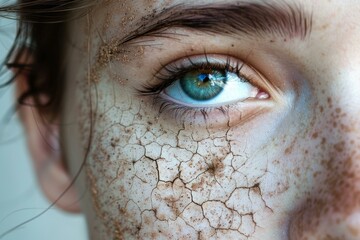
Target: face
[216,119]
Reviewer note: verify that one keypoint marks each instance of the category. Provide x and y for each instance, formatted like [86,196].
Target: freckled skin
[288,171]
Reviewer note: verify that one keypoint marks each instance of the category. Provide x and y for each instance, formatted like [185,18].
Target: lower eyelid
[220,116]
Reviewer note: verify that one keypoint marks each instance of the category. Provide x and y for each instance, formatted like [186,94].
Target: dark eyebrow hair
[254,19]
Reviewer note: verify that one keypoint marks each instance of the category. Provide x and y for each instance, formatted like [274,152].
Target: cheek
[154,177]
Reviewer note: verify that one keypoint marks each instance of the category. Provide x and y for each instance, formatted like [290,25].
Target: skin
[286,167]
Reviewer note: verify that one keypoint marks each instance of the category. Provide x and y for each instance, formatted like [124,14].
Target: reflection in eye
[203,83]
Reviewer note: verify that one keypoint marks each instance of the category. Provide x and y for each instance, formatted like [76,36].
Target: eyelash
[173,72]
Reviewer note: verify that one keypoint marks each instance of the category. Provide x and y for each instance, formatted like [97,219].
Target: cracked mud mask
[199,129]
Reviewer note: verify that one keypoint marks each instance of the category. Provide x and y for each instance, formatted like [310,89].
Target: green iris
[203,85]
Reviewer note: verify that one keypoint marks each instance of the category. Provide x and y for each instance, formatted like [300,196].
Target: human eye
[204,83]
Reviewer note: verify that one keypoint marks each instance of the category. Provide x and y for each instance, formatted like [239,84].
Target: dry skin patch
[154,181]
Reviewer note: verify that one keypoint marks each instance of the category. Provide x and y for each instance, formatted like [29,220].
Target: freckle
[232,45]
[339,147]
[297,172]
[354,231]
[195,186]
[315,135]
[329,101]
[345,128]
[321,108]
[316,174]
[288,150]
[325,26]
[276,161]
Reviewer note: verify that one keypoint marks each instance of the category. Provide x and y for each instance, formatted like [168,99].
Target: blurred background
[20,197]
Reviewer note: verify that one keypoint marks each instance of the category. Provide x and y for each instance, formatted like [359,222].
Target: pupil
[204,77]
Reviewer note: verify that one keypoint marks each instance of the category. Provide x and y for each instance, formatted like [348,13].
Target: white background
[20,197]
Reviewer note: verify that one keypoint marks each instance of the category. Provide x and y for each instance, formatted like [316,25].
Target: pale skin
[282,163]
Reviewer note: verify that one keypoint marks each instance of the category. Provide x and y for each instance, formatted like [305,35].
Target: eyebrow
[252,19]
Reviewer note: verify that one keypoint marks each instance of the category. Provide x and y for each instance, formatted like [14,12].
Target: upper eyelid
[228,63]
[166,74]
[183,69]
[175,67]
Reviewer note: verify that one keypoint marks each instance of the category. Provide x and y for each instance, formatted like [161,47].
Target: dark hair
[40,38]
[39,52]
